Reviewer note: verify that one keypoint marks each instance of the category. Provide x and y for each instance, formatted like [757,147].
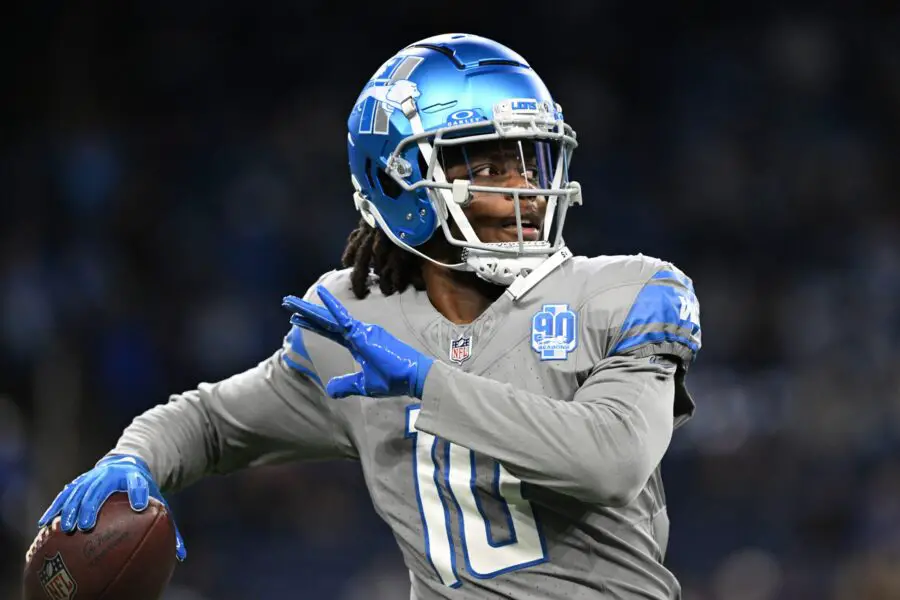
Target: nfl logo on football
[56,579]
[461,349]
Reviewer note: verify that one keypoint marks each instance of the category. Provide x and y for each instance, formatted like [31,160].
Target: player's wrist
[132,459]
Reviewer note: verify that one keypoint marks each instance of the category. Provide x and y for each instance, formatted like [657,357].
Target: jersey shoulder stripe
[665,311]
[674,275]
[296,356]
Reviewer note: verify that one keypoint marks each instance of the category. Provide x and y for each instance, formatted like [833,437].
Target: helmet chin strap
[499,268]
[522,284]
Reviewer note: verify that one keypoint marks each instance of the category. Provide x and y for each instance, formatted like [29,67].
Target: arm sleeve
[271,413]
[601,447]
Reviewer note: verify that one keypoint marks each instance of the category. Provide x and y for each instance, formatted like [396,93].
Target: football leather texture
[128,556]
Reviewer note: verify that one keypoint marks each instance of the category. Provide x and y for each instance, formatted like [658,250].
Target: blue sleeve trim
[656,311]
[301,369]
[294,339]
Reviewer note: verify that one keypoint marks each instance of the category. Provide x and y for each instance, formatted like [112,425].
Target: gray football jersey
[530,467]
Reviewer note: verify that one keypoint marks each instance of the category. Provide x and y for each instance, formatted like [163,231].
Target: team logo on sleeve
[56,579]
[461,349]
[689,309]
[554,332]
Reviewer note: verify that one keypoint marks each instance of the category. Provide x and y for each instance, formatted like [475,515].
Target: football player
[509,403]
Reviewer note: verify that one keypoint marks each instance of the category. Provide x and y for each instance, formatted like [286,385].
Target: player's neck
[460,297]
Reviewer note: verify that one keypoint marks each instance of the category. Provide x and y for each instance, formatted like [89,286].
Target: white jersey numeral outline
[484,557]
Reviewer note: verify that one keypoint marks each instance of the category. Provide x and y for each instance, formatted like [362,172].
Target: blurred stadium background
[169,170]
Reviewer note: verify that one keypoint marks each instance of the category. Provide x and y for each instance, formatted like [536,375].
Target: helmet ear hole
[389,187]
[368,171]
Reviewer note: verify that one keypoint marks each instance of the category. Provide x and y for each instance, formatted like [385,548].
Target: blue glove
[80,501]
[389,366]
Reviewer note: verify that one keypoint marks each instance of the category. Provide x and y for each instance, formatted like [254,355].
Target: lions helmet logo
[385,92]
[392,94]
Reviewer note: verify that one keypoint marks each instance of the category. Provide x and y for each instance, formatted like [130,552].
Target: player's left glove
[79,504]
[389,366]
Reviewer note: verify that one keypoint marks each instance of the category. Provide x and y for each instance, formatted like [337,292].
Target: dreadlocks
[369,250]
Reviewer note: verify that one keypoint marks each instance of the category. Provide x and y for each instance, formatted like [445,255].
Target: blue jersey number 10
[484,557]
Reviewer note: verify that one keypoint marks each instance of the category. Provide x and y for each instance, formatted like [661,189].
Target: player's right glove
[390,367]
[80,501]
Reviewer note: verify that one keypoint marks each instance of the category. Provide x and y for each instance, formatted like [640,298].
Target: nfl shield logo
[56,579]
[461,348]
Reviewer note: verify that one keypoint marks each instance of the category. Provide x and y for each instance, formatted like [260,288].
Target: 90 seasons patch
[554,331]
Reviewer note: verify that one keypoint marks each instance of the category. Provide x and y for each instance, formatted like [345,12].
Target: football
[128,556]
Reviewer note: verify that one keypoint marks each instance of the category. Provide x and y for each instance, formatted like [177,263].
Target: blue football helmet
[438,95]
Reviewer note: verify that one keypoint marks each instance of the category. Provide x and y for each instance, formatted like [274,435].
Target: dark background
[169,170]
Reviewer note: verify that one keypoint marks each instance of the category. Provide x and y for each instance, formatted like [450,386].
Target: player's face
[498,164]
